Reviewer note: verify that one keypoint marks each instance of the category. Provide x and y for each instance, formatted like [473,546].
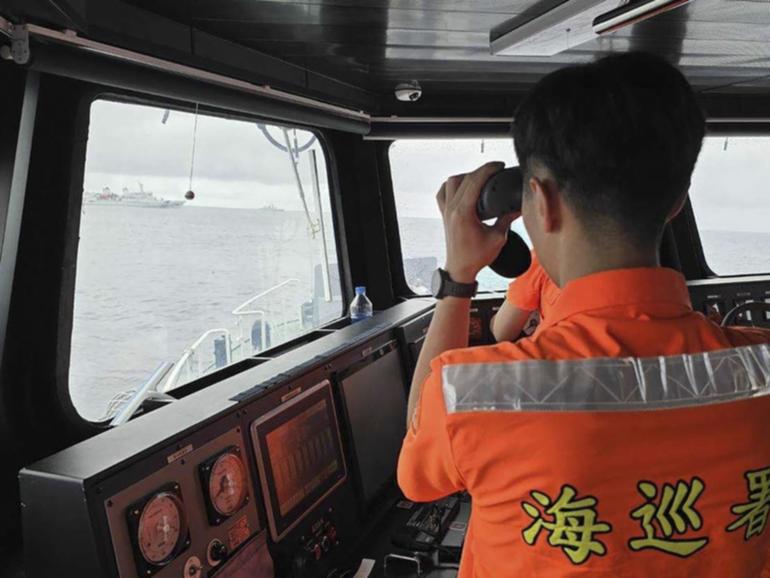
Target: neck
[580,257]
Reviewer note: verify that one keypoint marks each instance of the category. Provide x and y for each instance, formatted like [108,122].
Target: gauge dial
[227,484]
[161,528]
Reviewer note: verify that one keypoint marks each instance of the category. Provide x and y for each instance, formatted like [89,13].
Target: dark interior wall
[39,415]
[11,97]
[398,281]
[359,168]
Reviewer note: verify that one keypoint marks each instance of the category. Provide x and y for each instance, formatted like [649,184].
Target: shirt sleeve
[524,291]
[426,467]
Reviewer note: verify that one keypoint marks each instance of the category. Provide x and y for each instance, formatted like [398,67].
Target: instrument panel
[187,517]
[716,297]
[256,472]
[280,473]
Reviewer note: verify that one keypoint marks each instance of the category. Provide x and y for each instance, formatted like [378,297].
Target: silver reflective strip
[608,383]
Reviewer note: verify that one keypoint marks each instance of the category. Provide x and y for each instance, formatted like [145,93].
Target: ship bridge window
[418,168]
[730,195]
[203,241]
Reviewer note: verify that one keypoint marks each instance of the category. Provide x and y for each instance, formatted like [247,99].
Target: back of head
[620,136]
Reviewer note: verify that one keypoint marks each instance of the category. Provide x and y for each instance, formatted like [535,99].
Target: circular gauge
[227,484]
[161,528]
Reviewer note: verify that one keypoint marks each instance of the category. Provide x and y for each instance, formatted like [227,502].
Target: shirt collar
[620,287]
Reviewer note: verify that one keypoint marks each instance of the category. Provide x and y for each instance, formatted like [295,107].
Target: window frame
[689,245]
[399,283]
[65,324]
[727,130]
[686,234]
[401,286]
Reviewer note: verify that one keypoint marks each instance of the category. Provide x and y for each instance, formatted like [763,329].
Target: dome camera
[408,91]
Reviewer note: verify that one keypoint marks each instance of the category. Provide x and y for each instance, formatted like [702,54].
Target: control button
[192,568]
[714,307]
[332,533]
[216,552]
[745,315]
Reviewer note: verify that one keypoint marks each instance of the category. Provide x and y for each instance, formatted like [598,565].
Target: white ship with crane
[140,198]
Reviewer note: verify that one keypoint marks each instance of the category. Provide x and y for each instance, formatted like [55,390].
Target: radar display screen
[299,455]
[375,403]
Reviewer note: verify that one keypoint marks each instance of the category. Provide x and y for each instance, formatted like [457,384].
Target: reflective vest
[624,468]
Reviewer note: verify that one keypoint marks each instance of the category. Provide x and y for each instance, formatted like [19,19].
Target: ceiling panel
[445,43]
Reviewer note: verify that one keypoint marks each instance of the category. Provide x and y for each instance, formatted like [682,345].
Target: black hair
[620,136]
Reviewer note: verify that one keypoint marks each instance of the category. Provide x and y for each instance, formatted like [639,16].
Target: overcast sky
[235,166]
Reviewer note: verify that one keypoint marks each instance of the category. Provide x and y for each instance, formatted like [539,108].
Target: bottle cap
[360,290]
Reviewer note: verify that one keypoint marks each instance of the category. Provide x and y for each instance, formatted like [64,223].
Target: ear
[547,203]
[678,206]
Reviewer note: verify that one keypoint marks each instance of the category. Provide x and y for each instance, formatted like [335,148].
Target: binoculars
[501,195]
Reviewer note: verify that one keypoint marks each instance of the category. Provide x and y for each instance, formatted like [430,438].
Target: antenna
[190,194]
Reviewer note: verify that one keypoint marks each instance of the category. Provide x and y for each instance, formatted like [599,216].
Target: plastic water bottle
[360,307]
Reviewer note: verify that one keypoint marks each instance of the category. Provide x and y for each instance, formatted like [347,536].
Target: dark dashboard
[286,469]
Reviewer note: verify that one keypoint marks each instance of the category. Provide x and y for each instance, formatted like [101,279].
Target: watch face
[436,282]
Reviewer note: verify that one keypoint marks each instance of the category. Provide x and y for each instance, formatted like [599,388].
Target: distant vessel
[271,207]
[140,198]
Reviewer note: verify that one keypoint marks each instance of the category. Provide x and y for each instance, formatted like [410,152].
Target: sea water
[151,281]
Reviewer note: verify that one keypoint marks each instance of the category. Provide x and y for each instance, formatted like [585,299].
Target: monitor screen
[299,456]
[412,336]
[375,403]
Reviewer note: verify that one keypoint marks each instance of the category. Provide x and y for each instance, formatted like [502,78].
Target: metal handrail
[239,310]
[189,352]
[148,389]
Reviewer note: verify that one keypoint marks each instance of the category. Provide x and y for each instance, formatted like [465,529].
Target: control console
[273,473]
[428,525]
[321,538]
[186,517]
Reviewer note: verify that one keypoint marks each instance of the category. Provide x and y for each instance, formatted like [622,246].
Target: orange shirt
[533,291]
[524,469]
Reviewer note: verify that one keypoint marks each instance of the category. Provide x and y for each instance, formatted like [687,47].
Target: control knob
[325,544]
[217,552]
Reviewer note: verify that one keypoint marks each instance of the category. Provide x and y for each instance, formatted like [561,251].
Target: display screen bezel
[280,524]
[346,380]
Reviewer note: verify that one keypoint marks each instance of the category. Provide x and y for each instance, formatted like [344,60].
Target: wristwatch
[443,286]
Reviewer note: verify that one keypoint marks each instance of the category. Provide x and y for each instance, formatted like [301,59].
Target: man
[527,303]
[607,151]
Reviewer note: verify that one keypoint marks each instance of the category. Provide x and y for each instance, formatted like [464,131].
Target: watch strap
[451,288]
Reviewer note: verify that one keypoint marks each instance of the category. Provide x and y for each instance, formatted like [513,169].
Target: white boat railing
[124,407]
[242,309]
[278,320]
[188,357]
